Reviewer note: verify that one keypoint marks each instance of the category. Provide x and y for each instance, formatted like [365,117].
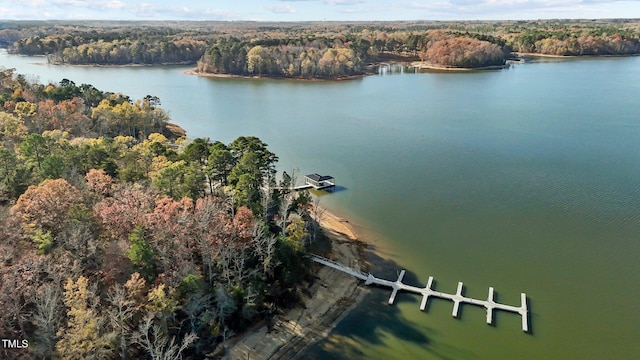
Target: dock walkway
[427,292]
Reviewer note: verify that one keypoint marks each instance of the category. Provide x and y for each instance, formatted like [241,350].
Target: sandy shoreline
[429,66]
[326,301]
[231,76]
[549,55]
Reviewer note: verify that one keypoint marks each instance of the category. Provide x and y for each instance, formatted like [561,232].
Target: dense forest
[315,50]
[120,242]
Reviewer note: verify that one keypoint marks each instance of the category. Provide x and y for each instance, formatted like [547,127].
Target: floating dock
[427,292]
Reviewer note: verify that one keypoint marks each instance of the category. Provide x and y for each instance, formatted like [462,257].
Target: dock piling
[457,299]
[524,313]
[489,306]
[426,293]
[396,286]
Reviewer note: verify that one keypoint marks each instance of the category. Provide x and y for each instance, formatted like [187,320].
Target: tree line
[320,50]
[318,60]
[575,41]
[113,50]
[80,110]
[120,246]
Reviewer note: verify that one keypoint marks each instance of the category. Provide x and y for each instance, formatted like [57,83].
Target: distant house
[319,182]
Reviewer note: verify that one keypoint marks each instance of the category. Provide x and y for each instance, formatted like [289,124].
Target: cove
[525,180]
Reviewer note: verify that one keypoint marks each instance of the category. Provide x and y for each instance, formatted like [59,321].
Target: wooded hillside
[117,242]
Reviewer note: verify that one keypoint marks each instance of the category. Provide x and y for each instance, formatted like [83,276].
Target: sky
[316,10]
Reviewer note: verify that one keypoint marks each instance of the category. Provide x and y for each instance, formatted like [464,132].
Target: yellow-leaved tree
[84,336]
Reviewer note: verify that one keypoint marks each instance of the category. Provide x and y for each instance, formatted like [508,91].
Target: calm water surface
[525,179]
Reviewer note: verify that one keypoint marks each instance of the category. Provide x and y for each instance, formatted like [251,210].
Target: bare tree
[263,245]
[286,198]
[208,222]
[157,343]
[77,237]
[199,315]
[121,313]
[225,307]
[47,318]
[316,214]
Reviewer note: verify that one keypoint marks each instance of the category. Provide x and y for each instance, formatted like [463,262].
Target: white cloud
[30,3]
[316,9]
[499,9]
[83,4]
[151,11]
[282,9]
[331,2]
[344,2]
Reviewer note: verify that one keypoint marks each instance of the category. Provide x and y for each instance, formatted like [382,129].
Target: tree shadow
[369,323]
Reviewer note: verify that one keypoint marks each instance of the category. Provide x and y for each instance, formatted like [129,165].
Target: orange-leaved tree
[47,205]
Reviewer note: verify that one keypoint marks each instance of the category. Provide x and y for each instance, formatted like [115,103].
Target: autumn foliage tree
[84,336]
[465,52]
[104,216]
[99,181]
[47,205]
[125,210]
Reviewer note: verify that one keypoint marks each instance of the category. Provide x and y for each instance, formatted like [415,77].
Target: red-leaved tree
[125,210]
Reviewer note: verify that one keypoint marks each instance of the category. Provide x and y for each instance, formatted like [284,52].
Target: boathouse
[319,182]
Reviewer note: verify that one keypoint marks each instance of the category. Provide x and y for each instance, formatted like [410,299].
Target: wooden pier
[427,292]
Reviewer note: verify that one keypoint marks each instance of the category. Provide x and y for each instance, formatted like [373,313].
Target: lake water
[525,179]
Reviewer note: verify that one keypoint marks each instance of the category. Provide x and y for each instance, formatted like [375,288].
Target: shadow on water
[328,191]
[367,326]
[530,317]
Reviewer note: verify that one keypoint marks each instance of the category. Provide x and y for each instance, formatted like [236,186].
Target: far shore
[232,76]
[548,55]
[327,300]
[112,65]
[431,66]
[570,56]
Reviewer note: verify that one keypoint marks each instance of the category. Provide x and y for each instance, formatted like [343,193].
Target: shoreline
[525,55]
[195,72]
[109,65]
[429,66]
[552,56]
[326,301]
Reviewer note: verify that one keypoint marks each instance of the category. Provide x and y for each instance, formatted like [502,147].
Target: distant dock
[314,181]
[318,182]
[490,305]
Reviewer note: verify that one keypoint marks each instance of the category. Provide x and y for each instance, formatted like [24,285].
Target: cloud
[112,10]
[316,9]
[30,3]
[344,2]
[282,9]
[465,9]
[93,5]
[151,11]
[331,2]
